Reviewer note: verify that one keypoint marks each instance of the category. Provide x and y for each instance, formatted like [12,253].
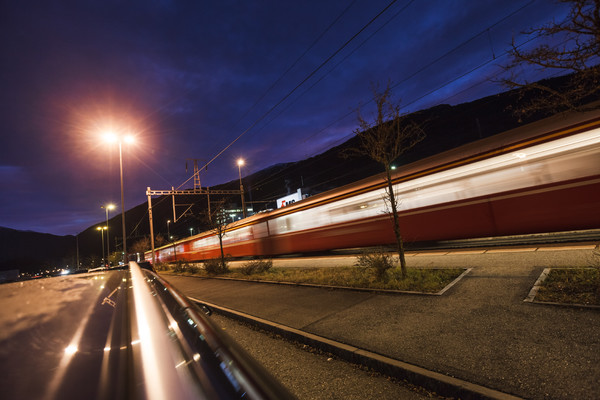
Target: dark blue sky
[188,77]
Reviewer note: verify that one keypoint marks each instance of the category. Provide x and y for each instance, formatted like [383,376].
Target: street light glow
[240,162]
[110,137]
[110,206]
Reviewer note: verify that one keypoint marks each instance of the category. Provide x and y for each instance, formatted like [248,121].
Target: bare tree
[160,240]
[383,140]
[576,56]
[141,246]
[216,218]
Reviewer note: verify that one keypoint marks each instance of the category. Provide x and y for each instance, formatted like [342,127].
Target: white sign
[289,199]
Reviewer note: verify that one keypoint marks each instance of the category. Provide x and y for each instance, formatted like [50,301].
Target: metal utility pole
[151,225]
[197,183]
[106,208]
[173,193]
[198,190]
[240,162]
[125,260]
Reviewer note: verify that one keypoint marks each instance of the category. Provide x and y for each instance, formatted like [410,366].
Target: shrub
[184,267]
[379,261]
[161,266]
[256,267]
[192,268]
[215,266]
[179,267]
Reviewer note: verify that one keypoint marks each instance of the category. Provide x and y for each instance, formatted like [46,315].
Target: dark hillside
[32,251]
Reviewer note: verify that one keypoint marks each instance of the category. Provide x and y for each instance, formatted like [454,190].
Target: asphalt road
[480,331]
[311,374]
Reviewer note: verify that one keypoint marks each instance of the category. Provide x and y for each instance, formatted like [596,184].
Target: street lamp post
[102,229]
[107,207]
[111,137]
[240,162]
[168,230]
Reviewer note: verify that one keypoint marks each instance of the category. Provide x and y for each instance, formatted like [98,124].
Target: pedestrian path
[481,331]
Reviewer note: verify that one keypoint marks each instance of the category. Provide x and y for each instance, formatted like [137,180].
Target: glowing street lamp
[240,162]
[107,207]
[112,137]
[168,229]
[102,229]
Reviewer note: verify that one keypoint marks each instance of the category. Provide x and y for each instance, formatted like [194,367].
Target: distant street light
[168,230]
[240,162]
[102,229]
[112,137]
[191,231]
[107,207]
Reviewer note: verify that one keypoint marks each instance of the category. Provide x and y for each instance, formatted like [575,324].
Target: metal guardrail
[210,363]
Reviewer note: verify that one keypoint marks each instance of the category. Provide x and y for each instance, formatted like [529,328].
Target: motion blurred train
[539,178]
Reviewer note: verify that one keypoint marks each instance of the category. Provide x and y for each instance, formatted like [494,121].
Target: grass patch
[571,286]
[418,280]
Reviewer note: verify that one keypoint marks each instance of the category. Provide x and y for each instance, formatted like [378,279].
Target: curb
[441,384]
[536,286]
[330,287]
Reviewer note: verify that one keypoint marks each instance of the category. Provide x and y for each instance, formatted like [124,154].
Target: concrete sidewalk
[480,331]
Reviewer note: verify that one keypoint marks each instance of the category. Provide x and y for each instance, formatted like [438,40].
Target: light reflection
[107,348]
[69,352]
[158,352]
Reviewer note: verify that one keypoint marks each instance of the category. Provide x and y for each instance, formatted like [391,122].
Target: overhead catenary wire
[494,57]
[331,25]
[424,67]
[485,31]
[310,75]
[418,71]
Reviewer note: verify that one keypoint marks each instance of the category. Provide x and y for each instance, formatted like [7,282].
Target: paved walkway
[480,331]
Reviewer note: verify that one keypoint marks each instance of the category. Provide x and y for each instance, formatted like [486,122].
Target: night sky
[186,78]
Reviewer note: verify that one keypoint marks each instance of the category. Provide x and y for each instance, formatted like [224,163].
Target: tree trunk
[222,254]
[399,242]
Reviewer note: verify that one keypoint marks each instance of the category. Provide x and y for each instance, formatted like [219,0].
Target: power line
[297,86]
[484,31]
[297,60]
[465,42]
[494,57]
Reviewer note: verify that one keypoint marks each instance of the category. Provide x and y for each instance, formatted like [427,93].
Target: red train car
[543,177]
